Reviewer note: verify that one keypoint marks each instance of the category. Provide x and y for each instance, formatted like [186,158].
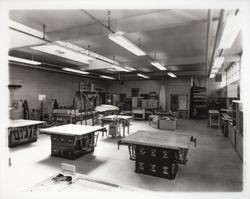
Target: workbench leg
[210,120]
[128,126]
[123,128]
[102,125]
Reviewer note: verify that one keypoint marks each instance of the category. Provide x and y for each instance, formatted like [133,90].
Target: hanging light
[125,43]
[21,60]
[141,75]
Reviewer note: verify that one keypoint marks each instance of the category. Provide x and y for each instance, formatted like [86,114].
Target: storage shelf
[198,102]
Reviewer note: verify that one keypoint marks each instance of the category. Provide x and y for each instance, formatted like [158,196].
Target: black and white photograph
[141,100]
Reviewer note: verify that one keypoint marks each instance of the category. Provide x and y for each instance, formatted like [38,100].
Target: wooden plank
[158,139]
[80,183]
[71,129]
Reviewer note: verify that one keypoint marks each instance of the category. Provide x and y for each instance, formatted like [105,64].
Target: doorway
[174,102]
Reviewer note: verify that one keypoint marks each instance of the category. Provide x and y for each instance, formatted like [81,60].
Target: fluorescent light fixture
[218,62]
[158,65]
[106,77]
[125,43]
[141,75]
[84,51]
[64,52]
[119,68]
[19,26]
[212,75]
[230,32]
[26,61]
[130,68]
[75,71]
[214,70]
[172,75]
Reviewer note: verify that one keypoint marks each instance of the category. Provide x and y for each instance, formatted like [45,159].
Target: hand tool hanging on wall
[55,105]
[25,110]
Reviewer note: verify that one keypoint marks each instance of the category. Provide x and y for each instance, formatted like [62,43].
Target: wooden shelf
[198,102]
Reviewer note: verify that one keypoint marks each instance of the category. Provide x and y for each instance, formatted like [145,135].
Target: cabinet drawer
[58,139]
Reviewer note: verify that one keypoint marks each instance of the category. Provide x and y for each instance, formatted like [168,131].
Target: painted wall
[60,86]
[172,86]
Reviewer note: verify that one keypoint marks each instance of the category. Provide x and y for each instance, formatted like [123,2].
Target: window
[223,80]
[233,73]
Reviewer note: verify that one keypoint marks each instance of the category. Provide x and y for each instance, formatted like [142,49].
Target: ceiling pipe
[98,21]
[108,28]
[156,74]
[219,28]
[209,21]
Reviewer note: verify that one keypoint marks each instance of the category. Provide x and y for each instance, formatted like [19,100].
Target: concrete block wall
[54,85]
[64,86]
[172,86]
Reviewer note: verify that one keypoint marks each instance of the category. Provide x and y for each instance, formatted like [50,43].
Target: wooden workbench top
[158,139]
[124,117]
[22,123]
[71,129]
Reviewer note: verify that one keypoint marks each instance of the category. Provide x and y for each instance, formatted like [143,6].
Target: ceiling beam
[159,74]
[209,21]
[177,61]
[218,33]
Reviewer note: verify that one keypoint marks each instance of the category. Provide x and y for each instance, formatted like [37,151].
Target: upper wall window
[233,73]
[223,79]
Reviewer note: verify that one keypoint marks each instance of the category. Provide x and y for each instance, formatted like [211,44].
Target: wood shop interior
[125,99]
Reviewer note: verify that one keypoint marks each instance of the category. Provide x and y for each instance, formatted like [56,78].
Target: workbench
[23,131]
[124,120]
[157,153]
[72,141]
[73,118]
[106,109]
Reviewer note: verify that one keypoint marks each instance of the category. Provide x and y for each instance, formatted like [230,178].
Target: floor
[212,166]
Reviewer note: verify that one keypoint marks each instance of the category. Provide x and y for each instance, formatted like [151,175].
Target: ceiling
[175,38]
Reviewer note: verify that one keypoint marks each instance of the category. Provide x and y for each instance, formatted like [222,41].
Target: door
[174,102]
[183,102]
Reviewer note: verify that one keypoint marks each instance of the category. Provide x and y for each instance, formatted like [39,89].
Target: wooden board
[22,123]
[80,184]
[162,98]
[158,139]
[71,129]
